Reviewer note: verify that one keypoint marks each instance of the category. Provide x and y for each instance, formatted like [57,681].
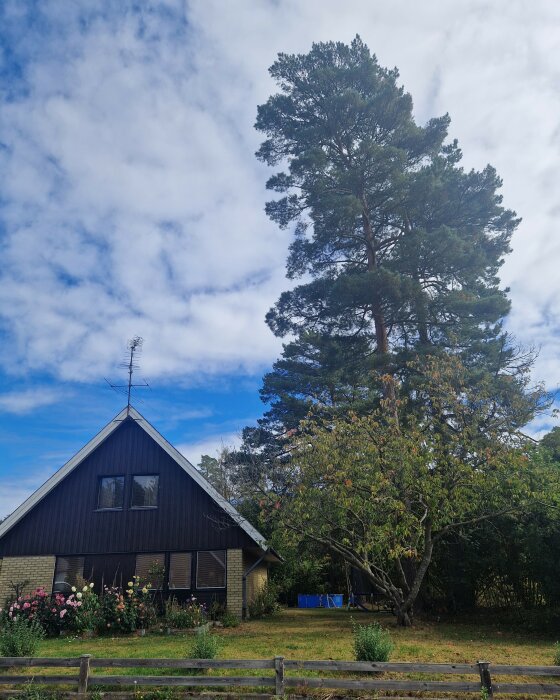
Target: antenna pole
[135,347]
[130,370]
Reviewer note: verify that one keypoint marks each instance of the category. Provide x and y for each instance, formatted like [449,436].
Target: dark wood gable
[67,522]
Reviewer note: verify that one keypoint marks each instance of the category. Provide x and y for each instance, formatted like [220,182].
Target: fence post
[485,678]
[83,677]
[279,674]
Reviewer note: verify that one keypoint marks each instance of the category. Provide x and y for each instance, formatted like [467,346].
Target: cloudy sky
[131,202]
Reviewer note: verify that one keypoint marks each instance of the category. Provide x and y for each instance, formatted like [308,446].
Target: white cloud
[27,400]
[211,446]
[133,204]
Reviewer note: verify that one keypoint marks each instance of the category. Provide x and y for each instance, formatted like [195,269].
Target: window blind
[211,569]
[180,570]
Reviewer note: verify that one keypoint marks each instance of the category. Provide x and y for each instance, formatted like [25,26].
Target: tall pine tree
[398,247]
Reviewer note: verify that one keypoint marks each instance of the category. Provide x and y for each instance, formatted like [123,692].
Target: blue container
[306,600]
[324,600]
[333,600]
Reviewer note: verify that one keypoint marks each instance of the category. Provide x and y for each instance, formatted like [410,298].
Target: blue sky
[131,202]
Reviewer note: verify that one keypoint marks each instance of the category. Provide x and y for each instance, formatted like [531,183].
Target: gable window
[111,493]
[211,569]
[67,572]
[150,569]
[180,570]
[145,491]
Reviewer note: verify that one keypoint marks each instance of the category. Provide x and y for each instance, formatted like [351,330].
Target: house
[128,503]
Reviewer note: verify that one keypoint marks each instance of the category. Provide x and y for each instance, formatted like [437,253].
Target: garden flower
[85,589]
[91,585]
[144,590]
[63,613]
[73,589]
[78,596]
[130,584]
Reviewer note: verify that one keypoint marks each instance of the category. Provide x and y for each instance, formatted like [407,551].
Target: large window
[67,572]
[111,492]
[151,569]
[145,491]
[180,564]
[211,569]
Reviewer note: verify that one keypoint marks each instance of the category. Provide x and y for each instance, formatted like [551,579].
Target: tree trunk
[404,617]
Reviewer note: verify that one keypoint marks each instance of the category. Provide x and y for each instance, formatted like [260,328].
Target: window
[67,572]
[211,569]
[150,568]
[145,491]
[111,492]
[180,570]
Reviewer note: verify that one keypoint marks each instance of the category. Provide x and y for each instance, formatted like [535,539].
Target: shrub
[204,646]
[129,610]
[217,610]
[34,692]
[20,637]
[87,615]
[186,616]
[53,613]
[557,654]
[372,643]
[265,602]
[229,619]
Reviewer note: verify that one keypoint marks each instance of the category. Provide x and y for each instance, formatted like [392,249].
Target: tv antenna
[130,364]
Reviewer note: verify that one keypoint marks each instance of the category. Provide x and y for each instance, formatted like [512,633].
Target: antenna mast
[134,347]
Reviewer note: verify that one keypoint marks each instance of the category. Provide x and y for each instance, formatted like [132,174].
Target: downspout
[244,584]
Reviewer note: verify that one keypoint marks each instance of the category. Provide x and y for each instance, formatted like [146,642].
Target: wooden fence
[280,683]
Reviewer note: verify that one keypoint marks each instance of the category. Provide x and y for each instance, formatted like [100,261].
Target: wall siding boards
[65,522]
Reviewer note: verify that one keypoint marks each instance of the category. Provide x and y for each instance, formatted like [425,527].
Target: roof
[79,457]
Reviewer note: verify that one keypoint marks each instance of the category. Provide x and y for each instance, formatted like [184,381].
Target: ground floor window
[67,572]
[180,567]
[150,568]
[211,569]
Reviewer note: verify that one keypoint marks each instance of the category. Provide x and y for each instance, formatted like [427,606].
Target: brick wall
[234,599]
[39,571]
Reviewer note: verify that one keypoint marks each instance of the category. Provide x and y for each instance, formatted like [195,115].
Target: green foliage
[372,643]
[86,617]
[383,492]
[229,619]
[556,658]
[264,602]
[220,472]
[398,245]
[33,692]
[20,637]
[184,616]
[128,610]
[204,646]
[551,442]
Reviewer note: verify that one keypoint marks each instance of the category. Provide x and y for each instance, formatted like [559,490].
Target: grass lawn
[326,634]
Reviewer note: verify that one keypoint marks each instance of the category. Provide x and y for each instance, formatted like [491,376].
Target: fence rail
[281,682]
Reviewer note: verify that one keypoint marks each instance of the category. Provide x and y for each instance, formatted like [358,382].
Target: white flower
[91,585]
[144,590]
[73,589]
[85,589]
[130,584]
[78,596]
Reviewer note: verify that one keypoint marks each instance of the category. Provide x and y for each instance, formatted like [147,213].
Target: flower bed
[83,611]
